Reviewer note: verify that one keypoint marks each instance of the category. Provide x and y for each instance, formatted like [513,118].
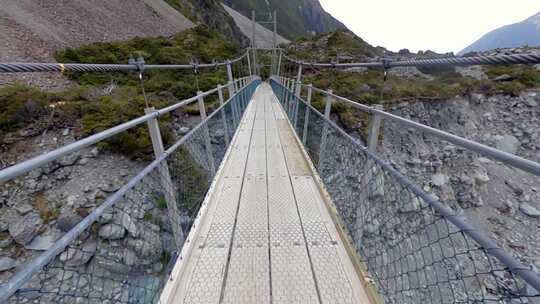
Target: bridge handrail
[507,158]
[38,161]
[23,67]
[35,265]
[453,61]
[491,246]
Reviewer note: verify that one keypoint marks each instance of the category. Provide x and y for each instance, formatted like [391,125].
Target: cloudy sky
[442,26]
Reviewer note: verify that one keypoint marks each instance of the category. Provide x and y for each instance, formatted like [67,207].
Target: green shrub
[24,106]
[124,105]
[523,77]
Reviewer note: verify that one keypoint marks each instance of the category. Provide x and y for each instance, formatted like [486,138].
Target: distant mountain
[519,34]
[296,18]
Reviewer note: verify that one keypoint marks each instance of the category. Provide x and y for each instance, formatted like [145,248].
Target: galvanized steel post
[249,63]
[374,129]
[306,118]
[166,181]
[230,87]
[279,64]
[223,115]
[208,143]
[327,110]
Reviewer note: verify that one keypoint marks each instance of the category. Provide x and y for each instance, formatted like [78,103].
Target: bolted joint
[386,63]
[195,64]
[139,64]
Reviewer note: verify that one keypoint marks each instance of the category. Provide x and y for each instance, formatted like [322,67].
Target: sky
[441,26]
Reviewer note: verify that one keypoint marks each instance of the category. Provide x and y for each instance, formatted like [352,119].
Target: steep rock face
[212,14]
[296,18]
[263,37]
[518,34]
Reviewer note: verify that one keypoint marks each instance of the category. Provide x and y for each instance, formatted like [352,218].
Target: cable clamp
[195,65]
[386,65]
[139,64]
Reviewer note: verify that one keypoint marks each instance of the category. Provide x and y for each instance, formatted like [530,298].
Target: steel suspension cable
[453,61]
[21,67]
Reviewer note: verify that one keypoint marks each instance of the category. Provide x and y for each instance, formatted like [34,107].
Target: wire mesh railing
[122,250]
[415,248]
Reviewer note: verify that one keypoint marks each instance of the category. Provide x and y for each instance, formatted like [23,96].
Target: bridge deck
[265,234]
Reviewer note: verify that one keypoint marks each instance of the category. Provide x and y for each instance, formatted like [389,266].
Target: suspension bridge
[288,214]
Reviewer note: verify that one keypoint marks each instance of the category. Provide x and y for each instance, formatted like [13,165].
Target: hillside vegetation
[103,100]
[369,86]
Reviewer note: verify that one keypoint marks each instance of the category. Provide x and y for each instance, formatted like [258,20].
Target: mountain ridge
[296,18]
[526,32]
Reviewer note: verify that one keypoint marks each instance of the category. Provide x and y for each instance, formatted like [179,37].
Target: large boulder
[111,232]
[508,144]
[41,243]
[26,228]
[77,256]
[67,221]
[7,263]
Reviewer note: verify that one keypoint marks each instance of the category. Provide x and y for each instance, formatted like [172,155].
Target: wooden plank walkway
[264,234]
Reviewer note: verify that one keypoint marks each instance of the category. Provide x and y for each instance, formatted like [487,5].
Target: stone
[530,102]
[108,187]
[439,179]
[84,161]
[6,243]
[149,248]
[7,263]
[515,187]
[504,77]
[410,205]
[72,200]
[26,228]
[67,221]
[69,160]
[481,178]
[8,218]
[23,208]
[183,130]
[106,217]
[65,132]
[111,232]
[94,152]
[364,88]
[508,144]
[529,210]
[130,258]
[41,243]
[484,160]
[127,222]
[31,184]
[477,98]
[75,256]
[475,72]
[373,226]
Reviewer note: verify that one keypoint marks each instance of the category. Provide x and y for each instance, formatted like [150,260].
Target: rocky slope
[296,18]
[264,38]
[33,30]
[518,34]
[501,199]
[492,105]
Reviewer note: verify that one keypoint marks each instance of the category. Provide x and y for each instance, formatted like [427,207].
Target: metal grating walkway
[264,234]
